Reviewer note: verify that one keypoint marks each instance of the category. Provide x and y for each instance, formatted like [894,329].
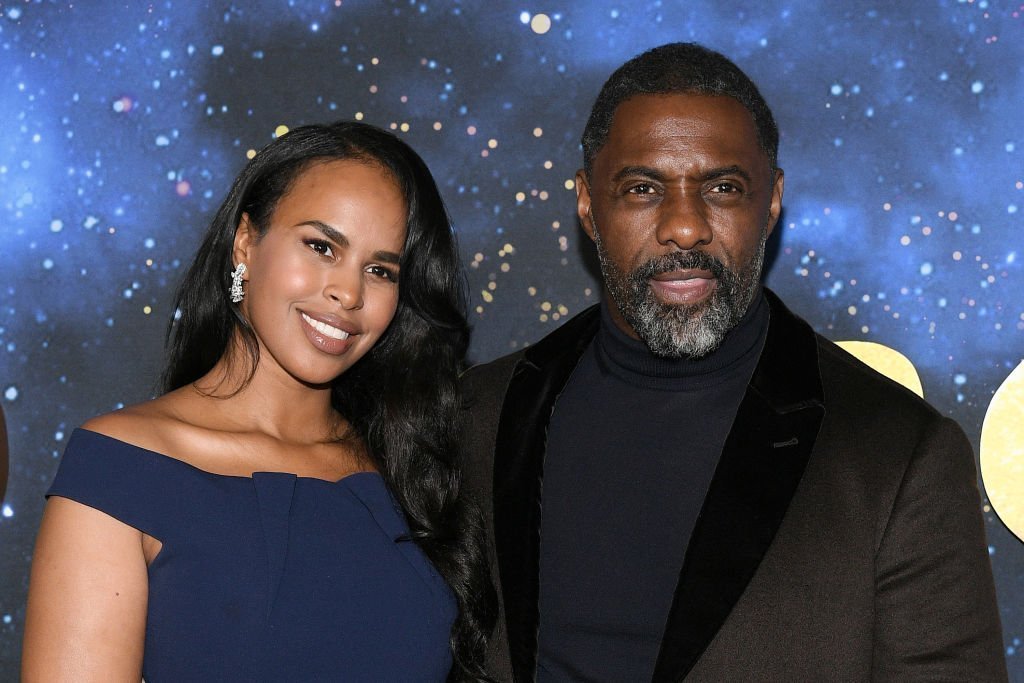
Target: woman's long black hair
[402,396]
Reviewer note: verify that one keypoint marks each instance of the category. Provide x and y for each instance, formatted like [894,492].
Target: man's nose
[683,220]
[345,286]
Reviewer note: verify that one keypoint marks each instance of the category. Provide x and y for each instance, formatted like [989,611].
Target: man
[686,481]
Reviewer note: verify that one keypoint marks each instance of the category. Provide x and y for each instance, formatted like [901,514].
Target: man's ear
[775,208]
[245,237]
[583,204]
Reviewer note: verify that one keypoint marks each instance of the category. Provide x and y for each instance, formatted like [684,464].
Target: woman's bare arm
[86,616]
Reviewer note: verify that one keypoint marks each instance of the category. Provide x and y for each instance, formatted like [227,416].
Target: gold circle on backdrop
[1002,452]
[540,23]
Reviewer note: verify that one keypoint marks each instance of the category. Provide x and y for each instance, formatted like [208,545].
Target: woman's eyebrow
[338,237]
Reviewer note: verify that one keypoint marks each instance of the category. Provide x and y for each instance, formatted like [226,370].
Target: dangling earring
[236,283]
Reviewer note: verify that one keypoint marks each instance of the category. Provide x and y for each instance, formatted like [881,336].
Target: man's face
[680,201]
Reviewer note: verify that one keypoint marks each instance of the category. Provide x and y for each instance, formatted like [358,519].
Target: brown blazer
[841,538]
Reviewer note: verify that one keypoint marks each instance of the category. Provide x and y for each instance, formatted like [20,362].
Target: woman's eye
[320,247]
[383,273]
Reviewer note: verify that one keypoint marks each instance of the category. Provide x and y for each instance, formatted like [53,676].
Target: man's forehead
[672,111]
[682,124]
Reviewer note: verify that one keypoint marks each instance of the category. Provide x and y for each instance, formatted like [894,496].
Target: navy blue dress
[269,578]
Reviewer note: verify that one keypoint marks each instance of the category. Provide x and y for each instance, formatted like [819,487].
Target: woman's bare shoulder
[155,425]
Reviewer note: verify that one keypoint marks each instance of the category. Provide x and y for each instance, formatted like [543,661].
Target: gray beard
[679,331]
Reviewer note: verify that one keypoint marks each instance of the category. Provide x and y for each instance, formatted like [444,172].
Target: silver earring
[236,283]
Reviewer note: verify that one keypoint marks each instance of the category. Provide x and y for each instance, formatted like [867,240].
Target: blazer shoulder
[488,380]
[845,375]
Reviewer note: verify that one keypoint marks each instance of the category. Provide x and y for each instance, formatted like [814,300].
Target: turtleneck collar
[631,360]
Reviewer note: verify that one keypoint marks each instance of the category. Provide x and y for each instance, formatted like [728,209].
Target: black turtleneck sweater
[632,446]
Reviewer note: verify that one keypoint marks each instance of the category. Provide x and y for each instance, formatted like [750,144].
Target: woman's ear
[245,238]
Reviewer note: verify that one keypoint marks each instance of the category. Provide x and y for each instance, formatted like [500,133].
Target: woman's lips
[683,287]
[325,328]
[328,333]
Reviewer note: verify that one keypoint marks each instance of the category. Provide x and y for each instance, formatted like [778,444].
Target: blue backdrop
[123,123]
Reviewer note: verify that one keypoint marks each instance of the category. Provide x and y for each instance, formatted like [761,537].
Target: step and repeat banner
[122,125]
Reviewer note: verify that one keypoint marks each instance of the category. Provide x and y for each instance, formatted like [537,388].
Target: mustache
[679,260]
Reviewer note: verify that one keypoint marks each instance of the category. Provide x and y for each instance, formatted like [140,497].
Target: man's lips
[683,287]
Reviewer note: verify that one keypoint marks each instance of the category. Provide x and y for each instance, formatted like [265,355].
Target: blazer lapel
[761,465]
[521,439]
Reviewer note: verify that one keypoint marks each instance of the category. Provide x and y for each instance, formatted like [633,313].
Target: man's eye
[724,188]
[320,247]
[641,188]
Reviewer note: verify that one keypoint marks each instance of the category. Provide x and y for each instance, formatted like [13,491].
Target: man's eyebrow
[339,238]
[724,171]
[660,176]
[639,171]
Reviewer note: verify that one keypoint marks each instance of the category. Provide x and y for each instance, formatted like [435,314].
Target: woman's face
[323,281]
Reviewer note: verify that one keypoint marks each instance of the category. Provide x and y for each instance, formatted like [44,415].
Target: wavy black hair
[678,68]
[402,397]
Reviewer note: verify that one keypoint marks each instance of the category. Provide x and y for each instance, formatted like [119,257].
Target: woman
[244,525]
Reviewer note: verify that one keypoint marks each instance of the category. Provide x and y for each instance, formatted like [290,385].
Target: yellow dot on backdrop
[492,143]
[147,310]
[887,361]
[569,184]
[1002,452]
[280,130]
[540,23]
[538,131]
[250,154]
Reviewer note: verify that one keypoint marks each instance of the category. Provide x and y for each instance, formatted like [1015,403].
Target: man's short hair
[685,68]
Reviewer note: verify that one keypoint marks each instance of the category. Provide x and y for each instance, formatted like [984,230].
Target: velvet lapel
[763,460]
[536,382]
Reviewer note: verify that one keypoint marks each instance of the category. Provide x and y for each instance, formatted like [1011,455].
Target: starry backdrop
[123,123]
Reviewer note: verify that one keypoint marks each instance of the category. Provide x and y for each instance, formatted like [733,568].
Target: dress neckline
[355,476]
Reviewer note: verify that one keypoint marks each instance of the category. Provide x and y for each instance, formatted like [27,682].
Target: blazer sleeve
[936,617]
